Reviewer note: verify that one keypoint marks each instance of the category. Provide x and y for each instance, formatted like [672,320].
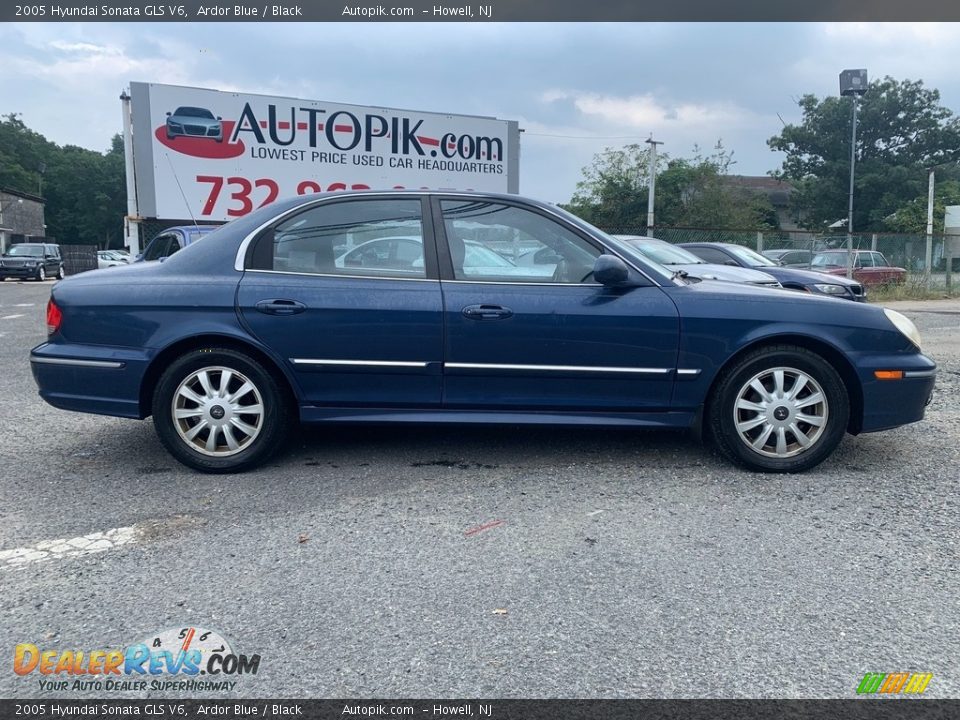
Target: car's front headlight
[828,289]
[905,325]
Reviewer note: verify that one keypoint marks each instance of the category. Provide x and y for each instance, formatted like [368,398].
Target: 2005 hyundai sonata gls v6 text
[239,334]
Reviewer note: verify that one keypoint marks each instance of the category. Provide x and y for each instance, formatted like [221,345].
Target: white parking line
[11,317]
[67,547]
[23,305]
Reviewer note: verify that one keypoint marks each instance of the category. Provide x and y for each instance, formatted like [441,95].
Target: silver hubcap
[42,274]
[217,411]
[781,412]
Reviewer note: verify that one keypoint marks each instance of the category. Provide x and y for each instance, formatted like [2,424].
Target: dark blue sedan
[817,283]
[243,332]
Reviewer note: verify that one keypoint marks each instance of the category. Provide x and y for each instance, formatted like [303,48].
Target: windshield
[750,257]
[829,260]
[26,250]
[194,112]
[633,254]
[666,254]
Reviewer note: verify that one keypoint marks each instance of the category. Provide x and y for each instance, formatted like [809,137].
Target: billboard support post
[131,222]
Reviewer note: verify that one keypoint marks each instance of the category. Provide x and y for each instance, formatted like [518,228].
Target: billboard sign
[215,156]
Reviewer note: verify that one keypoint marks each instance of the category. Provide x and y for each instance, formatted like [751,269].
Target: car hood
[727,273]
[809,276]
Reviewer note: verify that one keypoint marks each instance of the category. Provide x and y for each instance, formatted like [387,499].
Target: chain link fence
[899,250]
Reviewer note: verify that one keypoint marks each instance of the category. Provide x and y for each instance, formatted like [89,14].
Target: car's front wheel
[779,409]
[41,274]
[60,273]
[219,410]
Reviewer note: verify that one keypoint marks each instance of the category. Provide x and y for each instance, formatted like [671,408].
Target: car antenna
[182,194]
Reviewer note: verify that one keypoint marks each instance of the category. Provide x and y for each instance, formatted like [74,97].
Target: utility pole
[928,252]
[852,83]
[652,182]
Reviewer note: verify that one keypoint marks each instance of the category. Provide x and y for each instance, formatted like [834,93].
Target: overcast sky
[598,85]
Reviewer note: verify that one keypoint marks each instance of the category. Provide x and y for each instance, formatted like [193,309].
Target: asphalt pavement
[496,563]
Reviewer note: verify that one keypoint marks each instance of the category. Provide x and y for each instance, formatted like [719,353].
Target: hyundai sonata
[258,325]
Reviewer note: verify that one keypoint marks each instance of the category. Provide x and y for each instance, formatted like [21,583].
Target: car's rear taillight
[54,317]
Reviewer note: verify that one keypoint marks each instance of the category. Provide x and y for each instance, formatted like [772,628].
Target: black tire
[41,274]
[785,417]
[60,274]
[254,448]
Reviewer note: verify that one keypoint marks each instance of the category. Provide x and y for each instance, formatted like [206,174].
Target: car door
[863,270]
[351,334]
[51,259]
[161,246]
[883,270]
[543,335]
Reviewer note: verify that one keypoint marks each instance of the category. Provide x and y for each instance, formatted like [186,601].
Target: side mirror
[168,114]
[219,118]
[610,270]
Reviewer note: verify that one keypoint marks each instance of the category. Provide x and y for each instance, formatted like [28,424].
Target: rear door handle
[487,312]
[281,307]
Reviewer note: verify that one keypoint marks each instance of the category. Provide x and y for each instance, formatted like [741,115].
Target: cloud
[575,88]
[83,47]
[646,112]
[865,34]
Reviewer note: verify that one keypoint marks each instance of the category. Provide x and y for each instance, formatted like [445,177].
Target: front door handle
[281,307]
[487,312]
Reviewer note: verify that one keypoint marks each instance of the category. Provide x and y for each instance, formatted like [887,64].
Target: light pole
[652,182]
[852,83]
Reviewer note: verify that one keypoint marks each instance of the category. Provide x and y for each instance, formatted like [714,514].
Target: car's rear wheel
[219,410]
[779,409]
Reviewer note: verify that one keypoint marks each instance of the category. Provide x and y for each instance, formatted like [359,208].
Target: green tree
[902,129]
[693,192]
[22,153]
[84,190]
[912,217]
[613,191]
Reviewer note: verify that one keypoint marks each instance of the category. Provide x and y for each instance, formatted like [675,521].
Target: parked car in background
[787,257]
[110,258]
[172,240]
[31,261]
[404,256]
[791,278]
[225,350]
[676,258]
[869,267]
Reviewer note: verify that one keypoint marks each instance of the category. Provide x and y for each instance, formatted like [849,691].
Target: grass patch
[913,289]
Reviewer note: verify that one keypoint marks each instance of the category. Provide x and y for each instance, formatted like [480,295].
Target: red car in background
[870,267]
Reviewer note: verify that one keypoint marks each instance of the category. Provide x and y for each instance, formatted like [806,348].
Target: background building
[21,218]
